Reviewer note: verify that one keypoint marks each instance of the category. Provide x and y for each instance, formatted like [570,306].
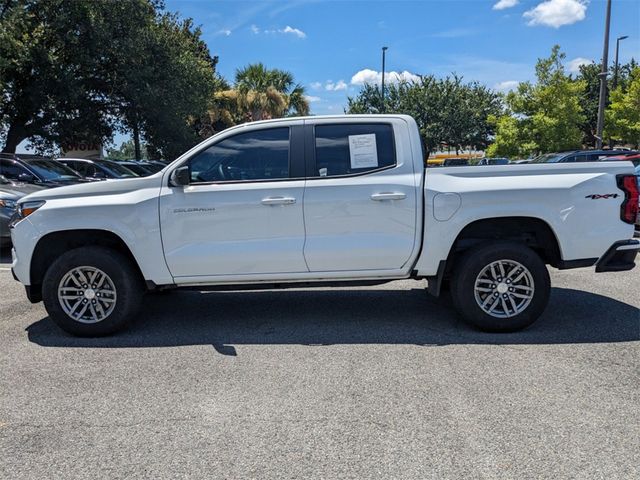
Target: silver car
[10,193]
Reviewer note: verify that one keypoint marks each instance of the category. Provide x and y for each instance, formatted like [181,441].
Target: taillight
[629,208]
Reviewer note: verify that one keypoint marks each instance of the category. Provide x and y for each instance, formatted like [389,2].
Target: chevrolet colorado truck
[322,201]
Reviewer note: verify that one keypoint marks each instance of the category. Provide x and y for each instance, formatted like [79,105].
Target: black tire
[122,274]
[472,264]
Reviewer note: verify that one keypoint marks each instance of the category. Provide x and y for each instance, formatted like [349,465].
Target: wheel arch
[533,232]
[54,244]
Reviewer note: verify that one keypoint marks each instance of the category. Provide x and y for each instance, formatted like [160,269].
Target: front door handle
[278,201]
[388,196]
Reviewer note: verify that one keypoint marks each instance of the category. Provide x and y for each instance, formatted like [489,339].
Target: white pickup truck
[322,201]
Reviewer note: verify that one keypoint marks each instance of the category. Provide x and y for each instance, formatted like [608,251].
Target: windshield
[139,169]
[116,169]
[548,158]
[50,170]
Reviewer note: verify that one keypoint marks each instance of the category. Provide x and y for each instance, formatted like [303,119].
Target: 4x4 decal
[596,196]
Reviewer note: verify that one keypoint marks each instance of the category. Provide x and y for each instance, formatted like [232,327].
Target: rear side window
[349,149]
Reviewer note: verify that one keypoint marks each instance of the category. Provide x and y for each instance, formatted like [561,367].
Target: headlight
[6,203]
[23,210]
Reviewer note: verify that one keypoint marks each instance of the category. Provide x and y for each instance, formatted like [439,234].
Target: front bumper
[24,237]
[620,257]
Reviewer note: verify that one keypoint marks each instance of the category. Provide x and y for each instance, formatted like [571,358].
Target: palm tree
[269,93]
[259,93]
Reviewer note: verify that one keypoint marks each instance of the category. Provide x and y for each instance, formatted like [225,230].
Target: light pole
[384,51]
[603,78]
[615,68]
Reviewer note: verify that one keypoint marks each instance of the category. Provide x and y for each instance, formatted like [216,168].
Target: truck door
[360,201]
[242,212]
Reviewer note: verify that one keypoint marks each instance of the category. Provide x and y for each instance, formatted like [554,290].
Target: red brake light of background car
[629,208]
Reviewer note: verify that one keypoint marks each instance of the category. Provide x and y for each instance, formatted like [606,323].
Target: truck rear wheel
[92,291]
[500,287]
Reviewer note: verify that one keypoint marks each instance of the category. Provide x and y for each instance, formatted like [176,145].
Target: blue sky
[332,46]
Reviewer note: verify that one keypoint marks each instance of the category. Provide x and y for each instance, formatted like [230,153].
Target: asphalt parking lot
[351,383]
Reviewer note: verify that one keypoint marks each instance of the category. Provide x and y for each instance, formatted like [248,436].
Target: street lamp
[615,68]
[384,51]
[603,79]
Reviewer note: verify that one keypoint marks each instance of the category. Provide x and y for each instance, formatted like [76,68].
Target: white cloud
[373,77]
[555,13]
[316,85]
[506,85]
[311,98]
[334,87]
[502,4]
[226,32]
[295,31]
[574,65]
[285,31]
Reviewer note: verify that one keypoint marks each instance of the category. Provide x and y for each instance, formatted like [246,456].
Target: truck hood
[92,189]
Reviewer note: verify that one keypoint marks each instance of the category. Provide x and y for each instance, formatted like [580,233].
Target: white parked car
[323,201]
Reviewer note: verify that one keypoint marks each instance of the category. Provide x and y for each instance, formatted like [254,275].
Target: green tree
[82,69]
[547,115]
[160,99]
[447,111]
[623,115]
[126,151]
[589,76]
[259,93]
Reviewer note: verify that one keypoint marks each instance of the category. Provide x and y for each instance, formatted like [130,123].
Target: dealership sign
[82,150]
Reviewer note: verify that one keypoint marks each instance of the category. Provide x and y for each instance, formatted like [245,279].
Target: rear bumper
[620,256]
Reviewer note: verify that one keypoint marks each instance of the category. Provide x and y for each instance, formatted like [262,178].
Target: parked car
[493,161]
[98,169]
[322,201]
[632,157]
[577,156]
[143,169]
[10,193]
[637,232]
[38,171]
[455,162]
[158,164]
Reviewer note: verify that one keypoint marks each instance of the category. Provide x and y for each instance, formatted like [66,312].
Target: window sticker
[363,151]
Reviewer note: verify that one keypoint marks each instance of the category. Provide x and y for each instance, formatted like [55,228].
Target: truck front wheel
[500,287]
[92,291]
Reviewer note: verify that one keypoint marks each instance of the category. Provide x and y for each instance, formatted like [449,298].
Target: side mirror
[180,177]
[26,177]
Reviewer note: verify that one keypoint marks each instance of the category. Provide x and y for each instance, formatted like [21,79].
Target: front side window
[251,156]
[349,149]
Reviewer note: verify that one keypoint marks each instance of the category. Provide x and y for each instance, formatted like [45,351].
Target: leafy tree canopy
[258,93]
[542,117]
[623,116]
[447,111]
[82,69]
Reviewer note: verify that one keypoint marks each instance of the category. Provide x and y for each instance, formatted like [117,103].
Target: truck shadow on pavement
[328,317]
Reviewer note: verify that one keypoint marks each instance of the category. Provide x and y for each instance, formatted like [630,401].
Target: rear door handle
[278,201]
[388,196]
